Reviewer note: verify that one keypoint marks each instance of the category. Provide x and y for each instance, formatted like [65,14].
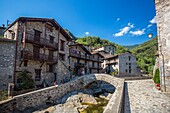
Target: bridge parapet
[39,97]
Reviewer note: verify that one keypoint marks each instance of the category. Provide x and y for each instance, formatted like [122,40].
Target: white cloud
[86,33]
[138,32]
[118,19]
[124,30]
[153,21]
[149,25]
[131,25]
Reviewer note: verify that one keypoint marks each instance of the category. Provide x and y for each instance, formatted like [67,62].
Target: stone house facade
[41,49]
[83,60]
[123,65]
[110,49]
[2,28]
[163,30]
[7,62]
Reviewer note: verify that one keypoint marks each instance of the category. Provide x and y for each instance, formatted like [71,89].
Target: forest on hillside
[95,42]
[146,55]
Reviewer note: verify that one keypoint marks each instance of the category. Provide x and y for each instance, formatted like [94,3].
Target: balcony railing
[79,64]
[42,41]
[74,54]
[112,62]
[27,55]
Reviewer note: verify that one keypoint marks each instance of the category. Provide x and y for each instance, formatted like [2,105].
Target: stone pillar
[10,89]
[163,28]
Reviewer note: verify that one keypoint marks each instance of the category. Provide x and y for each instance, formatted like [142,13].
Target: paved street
[141,96]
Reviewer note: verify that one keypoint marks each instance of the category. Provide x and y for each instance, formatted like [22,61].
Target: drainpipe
[16,51]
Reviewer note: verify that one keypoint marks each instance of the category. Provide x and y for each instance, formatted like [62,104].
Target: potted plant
[157,79]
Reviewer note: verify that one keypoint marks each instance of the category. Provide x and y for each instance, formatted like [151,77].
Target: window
[129,58]
[93,64]
[36,52]
[50,68]
[126,63]
[51,39]
[13,35]
[129,70]
[129,64]
[62,57]
[126,70]
[50,57]
[62,45]
[37,35]
[25,63]
[9,76]
[37,74]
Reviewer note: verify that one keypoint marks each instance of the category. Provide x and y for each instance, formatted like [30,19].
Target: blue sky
[125,22]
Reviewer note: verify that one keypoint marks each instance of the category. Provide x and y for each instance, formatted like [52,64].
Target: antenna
[7,23]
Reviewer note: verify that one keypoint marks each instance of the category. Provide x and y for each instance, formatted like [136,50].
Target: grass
[3,95]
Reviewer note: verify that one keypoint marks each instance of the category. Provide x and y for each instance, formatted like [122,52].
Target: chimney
[3,25]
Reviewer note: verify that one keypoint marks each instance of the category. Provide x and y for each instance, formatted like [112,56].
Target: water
[95,108]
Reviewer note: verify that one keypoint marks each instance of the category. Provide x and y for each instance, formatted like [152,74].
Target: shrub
[3,95]
[26,81]
[156,77]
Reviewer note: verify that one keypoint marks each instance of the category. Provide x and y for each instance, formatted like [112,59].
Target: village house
[41,49]
[7,58]
[123,65]
[2,28]
[163,30]
[82,61]
[110,49]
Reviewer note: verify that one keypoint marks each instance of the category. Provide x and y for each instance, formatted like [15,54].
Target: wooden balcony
[112,62]
[89,58]
[27,55]
[41,41]
[94,67]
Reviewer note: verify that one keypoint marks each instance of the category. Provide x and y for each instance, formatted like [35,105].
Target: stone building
[122,64]
[163,30]
[7,62]
[2,28]
[81,59]
[107,48]
[41,49]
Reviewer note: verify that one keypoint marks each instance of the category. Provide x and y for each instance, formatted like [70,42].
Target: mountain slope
[145,54]
[131,47]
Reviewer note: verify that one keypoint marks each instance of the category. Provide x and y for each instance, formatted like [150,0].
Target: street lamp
[150,35]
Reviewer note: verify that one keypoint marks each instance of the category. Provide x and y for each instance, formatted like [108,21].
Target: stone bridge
[39,97]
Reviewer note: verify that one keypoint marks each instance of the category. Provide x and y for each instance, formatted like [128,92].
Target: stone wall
[39,97]
[163,28]
[7,56]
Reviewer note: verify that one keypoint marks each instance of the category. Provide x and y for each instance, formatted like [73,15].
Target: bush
[3,95]
[26,81]
[156,77]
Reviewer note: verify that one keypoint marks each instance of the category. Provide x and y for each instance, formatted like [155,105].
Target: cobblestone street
[141,96]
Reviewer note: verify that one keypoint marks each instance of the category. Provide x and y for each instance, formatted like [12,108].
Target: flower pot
[157,85]
[158,88]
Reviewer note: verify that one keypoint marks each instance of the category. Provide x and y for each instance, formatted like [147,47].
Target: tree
[26,80]
[157,77]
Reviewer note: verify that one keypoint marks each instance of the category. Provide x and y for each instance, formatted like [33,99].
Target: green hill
[131,47]
[95,42]
[145,54]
